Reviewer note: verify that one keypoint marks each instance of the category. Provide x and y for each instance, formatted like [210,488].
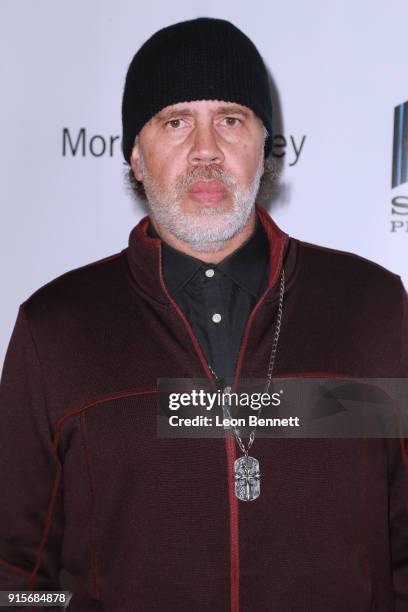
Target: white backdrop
[339,68]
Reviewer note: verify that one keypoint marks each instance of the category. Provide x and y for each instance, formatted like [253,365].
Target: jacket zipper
[231,456]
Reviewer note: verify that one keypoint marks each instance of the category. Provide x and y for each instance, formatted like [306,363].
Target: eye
[232,121]
[174,123]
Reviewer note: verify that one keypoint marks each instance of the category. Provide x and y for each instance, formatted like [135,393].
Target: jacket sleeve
[31,520]
[398,488]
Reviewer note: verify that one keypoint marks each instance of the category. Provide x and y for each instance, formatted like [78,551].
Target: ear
[135,163]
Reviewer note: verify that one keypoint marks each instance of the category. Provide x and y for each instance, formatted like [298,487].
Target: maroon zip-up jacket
[150,524]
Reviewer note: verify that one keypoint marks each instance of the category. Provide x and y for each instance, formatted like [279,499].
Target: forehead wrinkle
[233,108]
[172,111]
[224,108]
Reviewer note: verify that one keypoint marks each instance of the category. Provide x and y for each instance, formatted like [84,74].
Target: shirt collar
[247,266]
[144,258]
[178,267]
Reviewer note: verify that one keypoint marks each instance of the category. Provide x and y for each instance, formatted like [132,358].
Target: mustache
[210,172]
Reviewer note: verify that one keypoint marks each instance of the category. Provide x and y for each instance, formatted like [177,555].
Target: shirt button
[210,272]
[216,317]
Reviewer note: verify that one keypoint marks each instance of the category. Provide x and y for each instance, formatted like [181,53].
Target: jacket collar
[144,256]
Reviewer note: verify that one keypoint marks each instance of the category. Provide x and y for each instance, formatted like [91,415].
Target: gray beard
[209,228]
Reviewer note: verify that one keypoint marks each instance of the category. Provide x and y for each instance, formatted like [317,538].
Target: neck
[228,247]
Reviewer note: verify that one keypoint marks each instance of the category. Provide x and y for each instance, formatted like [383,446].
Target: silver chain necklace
[247,475]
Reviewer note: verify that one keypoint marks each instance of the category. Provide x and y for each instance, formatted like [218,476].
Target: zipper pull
[218,381]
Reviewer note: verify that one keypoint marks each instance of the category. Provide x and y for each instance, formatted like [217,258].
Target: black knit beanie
[200,59]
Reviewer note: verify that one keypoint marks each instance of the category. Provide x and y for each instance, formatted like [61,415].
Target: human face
[201,163]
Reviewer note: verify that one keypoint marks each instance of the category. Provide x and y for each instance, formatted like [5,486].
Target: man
[207,287]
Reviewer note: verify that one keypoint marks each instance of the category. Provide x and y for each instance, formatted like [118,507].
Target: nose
[205,147]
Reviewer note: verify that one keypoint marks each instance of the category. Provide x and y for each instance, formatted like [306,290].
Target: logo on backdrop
[78,143]
[400,145]
[399,203]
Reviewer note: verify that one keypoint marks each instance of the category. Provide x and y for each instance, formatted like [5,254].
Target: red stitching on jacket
[405,462]
[14,568]
[234,524]
[364,509]
[92,538]
[231,456]
[100,400]
[47,524]
[230,445]
[272,279]
[196,345]
[57,479]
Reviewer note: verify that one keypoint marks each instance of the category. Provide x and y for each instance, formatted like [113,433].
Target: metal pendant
[247,478]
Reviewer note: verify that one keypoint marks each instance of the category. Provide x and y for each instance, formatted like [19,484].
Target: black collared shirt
[217,299]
